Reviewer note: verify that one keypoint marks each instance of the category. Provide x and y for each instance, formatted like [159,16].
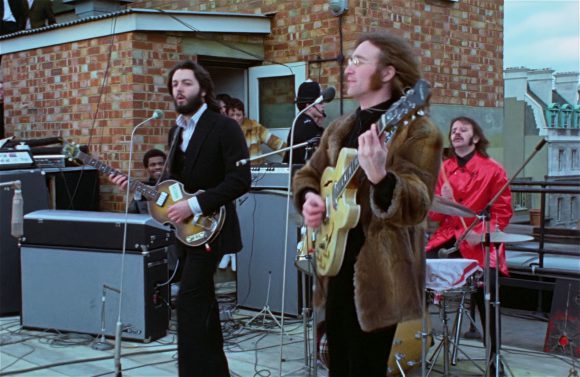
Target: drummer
[471,178]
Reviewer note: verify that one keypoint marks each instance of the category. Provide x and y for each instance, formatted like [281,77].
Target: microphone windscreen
[157,114]
[328,94]
[17,230]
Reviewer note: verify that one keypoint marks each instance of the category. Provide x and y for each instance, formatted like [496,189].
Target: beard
[191,106]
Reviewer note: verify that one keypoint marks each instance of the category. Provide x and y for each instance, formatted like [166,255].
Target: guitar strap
[167,167]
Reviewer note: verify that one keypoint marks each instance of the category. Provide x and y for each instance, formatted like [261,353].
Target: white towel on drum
[445,274]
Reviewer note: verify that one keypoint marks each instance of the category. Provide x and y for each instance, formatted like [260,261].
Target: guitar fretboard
[389,123]
[148,191]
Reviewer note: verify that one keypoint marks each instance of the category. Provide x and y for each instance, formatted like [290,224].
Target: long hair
[203,78]
[481,145]
[397,52]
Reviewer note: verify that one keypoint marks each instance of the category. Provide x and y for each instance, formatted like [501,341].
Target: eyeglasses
[353,60]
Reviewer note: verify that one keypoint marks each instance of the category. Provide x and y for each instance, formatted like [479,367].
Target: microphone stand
[485,217]
[290,161]
[278,151]
[119,326]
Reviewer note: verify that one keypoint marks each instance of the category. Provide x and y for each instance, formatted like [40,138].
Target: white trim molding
[132,20]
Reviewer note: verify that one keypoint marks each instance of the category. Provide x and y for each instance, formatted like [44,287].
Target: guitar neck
[354,165]
[404,107]
[148,192]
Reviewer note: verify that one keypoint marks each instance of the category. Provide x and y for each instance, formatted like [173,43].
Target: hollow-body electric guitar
[195,231]
[338,190]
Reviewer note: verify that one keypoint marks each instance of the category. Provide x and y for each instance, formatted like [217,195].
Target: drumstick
[452,196]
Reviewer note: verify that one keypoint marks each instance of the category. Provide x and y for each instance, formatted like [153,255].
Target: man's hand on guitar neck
[313,209]
[372,154]
[119,179]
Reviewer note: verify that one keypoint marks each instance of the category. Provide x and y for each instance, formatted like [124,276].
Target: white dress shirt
[188,130]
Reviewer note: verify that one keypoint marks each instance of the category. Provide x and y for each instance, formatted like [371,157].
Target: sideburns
[376,82]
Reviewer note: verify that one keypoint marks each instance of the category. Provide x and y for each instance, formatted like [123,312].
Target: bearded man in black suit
[204,148]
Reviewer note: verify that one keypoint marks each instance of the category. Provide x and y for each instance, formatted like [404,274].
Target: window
[560,209]
[574,159]
[573,208]
[561,161]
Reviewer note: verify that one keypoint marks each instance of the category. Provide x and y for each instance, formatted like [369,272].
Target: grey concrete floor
[260,349]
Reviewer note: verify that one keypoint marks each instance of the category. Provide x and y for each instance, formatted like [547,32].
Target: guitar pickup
[161,199]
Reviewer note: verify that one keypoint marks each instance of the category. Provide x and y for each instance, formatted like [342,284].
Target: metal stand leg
[461,311]
[266,309]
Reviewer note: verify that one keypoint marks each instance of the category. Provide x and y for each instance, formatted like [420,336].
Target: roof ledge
[131,20]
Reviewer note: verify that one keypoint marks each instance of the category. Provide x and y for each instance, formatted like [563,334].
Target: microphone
[157,114]
[326,96]
[17,222]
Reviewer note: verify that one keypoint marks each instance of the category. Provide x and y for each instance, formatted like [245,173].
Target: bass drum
[406,346]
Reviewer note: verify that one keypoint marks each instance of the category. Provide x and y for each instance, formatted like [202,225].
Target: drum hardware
[484,217]
[406,347]
[442,299]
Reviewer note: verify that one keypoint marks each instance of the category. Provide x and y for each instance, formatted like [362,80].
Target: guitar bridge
[161,199]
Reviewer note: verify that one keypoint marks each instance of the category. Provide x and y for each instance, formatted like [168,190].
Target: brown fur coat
[389,272]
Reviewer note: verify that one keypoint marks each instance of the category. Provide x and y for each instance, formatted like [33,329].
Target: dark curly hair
[202,76]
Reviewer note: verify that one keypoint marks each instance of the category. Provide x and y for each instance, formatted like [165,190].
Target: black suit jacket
[210,165]
[40,13]
[18,8]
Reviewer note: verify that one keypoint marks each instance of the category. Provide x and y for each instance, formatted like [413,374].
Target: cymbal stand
[485,217]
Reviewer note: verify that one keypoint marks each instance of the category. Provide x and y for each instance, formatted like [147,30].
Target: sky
[542,34]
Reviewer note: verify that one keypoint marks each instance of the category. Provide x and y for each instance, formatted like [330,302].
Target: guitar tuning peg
[413,118]
[406,122]
[420,112]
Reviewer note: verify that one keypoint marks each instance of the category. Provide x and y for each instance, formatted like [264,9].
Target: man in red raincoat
[471,178]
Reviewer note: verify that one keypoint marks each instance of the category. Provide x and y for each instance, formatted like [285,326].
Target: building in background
[99,71]
[543,104]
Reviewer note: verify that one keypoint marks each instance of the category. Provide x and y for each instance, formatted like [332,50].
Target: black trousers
[199,334]
[352,351]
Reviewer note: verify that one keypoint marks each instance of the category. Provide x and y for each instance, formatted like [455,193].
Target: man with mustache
[471,178]
[381,279]
[204,148]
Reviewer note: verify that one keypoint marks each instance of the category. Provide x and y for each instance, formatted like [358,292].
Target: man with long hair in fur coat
[381,279]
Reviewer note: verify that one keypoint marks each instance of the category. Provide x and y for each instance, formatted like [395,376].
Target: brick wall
[56,91]
[460,43]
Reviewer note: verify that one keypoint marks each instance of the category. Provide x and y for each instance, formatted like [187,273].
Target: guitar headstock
[71,151]
[407,107]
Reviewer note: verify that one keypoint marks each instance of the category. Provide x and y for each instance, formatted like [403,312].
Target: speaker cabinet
[63,289]
[260,264]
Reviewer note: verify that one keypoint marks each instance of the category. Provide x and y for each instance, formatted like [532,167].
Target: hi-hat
[447,207]
[498,237]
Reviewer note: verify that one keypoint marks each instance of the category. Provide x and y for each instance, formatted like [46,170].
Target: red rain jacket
[474,185]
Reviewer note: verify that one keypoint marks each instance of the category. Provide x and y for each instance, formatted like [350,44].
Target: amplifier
[272,176]
[89,229]
[78,290]
[50,161]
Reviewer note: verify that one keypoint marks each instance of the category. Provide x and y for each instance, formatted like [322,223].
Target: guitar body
[338,189]
[194,231]
[342,214]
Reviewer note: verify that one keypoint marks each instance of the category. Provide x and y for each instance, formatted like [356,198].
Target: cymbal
[447,207]
[498,237]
